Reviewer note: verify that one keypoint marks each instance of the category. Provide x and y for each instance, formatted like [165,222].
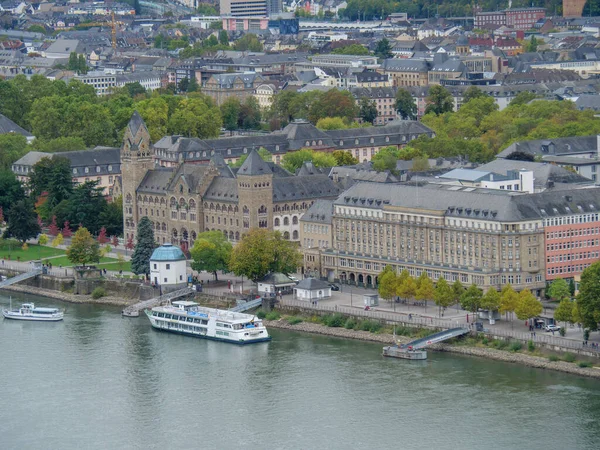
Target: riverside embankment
[538,362]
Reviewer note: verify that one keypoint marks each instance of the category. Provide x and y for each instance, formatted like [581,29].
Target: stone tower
[136,160]
[255,193]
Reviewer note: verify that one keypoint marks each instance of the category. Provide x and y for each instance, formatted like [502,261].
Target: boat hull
[394,351]
[212,338]
[8,315]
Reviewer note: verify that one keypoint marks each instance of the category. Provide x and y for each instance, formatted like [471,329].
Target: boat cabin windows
[223,325]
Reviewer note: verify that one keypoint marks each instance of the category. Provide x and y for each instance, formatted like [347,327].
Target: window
[87,170]
[168,266]
[155,266]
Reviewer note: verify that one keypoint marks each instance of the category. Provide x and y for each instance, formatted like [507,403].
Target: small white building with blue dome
[168,266]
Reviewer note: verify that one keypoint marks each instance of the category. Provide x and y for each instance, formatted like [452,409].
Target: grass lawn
[32,253]
[125,266]
[64,261]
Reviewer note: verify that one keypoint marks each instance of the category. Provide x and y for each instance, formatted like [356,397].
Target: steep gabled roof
[8,126]
[254,165]
[135,123]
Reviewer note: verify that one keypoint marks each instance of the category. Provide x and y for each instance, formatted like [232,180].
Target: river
[100,381]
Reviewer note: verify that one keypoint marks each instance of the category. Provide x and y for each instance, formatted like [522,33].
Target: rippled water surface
[99,381]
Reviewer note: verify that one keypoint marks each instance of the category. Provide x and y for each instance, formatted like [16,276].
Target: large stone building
[481,236]
[193,196]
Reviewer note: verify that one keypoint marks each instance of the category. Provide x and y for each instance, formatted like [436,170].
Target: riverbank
[533,361]
[70,298]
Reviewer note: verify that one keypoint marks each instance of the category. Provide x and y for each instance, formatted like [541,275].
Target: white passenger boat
[185,317]
[28,311]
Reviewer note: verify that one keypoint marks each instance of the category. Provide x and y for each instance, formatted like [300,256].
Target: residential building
[372,79]
[406,72]
[103,82]
[385,101]
[248,23]
[240,85]
[315,235]
[518,18]
[254,8]
[264,95]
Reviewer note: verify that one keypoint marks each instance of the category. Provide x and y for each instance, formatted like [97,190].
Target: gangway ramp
[134,310]
[21,277]
[436,337]
[247,305]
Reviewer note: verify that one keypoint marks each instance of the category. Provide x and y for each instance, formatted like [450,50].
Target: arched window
[286,221]
[192,204]
[295,220]
[182,202]
[277,221]
[128,198]
[218,207]
[295,234]
[246,210]
[286,235]
[237,235]
[231,235]
[262,209]
[173,202]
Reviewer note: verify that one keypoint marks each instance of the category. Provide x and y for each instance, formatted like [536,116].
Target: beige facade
[221,87]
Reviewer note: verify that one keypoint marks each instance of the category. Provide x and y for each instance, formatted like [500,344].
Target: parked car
[552,328]
[334,287]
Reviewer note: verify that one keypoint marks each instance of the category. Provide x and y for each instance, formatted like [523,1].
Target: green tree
[457,292]
[196,117]
[73,63]
[528,306]
[491,301]
[420,164]
[572,287]
[230,112]
[344,158]
[211,252]
[83,207]
[223,38]
[471,299]
[22,221]
[82,65]
[405,105]
[387,284]
[559,290]
[249,117]
[407,287]
[425,289]
[367,110]
[509,300]
[83,249]
[12,147]
[383,49]
[60,144]
[261,252]
[11,190]
[111,217]
[385,159]
[352,49]
[43,239]
[332,103]
[471,93]
[443,295]
[144,247]
[439,100]
[588,299]
[522,98]
[331,123]
[293,160]
[134,89]
[564,311]
[248,42]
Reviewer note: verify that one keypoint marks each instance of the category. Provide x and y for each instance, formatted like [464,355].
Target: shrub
[499,344]
[586,335]
[585,364]
[335,321]
[515,346]
[293,320]
[370,325]
[261,314]
[530,346]
[562,331]
[485,341]
[350,323]
[273,315]
[569,357]
[97,293]
[553,358]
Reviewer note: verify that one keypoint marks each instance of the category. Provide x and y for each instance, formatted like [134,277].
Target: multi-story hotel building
[481,236]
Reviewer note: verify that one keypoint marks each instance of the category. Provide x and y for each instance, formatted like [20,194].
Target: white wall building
[168,266]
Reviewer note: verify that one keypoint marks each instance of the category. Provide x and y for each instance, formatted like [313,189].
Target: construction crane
[113,28]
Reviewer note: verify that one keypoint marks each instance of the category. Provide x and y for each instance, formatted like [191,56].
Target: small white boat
[28,311]
[404,352]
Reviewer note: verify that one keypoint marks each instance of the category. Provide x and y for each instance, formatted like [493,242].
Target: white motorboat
[185,317]
[28,311]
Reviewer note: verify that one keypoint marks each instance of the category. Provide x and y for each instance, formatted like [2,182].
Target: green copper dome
[167,252]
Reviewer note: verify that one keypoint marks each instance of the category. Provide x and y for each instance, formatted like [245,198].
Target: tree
[367,110]
[134,89]
[42,239]
[249,117]
[22,221]
[12,147]
[383,49]
[344,158]
[83,249]
[261,252]
[332,103]
[85,206]
[528,306]
[472,92]
[522,98]
[52,176]
[211,252]
[140,260]
[11,191]
[443,295]
[439,100]
[293,160]
[102,237]
[559,290]
[196,117]
[223,38]
[248,42]
[405,105]
[352,49]
[564,311]
[457,292]
[420,164]
[588,299]
[58,240]
[129,244]
[66,229]
[230,112]
[425,289]
[114,241]
[111,217]
[331,123]
[491,302]
[53,228]
[387,284]
[470,300]
[407,288]
[509,300]
[521,156]
[385,159]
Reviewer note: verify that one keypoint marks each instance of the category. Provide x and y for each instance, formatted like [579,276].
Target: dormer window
[110,168]
[245,150]
[87,170]
[387,139]
[75,171]
[97,169]
[356,141]
[229,151]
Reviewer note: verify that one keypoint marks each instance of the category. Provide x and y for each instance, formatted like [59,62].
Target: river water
[100,381]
